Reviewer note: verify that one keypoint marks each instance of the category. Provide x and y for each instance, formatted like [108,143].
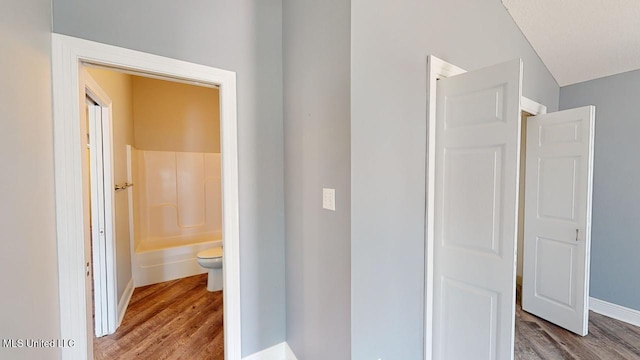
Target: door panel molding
[559,178]
[438,69]
[476,203]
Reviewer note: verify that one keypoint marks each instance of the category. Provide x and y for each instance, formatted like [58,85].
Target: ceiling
[581,40]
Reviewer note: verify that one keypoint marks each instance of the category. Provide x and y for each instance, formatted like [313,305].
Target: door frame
[106,279]
[438,68]
[68,55]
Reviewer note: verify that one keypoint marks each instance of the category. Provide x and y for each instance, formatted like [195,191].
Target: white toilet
[212,259]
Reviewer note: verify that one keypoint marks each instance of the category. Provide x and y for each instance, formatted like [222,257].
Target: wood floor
[608,339]
[177,319]
[180,319]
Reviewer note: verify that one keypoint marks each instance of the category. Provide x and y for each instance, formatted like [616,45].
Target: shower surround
[177,212]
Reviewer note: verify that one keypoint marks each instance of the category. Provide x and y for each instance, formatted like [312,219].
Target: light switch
[329,199]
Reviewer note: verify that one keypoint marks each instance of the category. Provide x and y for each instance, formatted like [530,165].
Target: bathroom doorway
[71,55]
[157,144]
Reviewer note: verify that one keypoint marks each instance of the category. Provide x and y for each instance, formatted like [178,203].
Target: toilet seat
[212,253]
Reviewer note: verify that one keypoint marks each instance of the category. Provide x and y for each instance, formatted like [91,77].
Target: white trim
[615,311]
[124,301]
[280,351]
[532,107]
[438,68]
[288,353]
[67,55]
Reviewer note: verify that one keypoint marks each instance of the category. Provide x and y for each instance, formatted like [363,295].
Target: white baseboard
[288,353]
[280,351]
[617,312]
[124,301]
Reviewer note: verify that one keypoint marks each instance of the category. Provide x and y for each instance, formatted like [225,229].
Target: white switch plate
[329,199]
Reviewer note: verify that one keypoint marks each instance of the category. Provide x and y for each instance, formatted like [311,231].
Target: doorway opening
[162,210]
[69,56]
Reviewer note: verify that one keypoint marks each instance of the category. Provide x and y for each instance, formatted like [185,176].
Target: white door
[99,210]
[557,238]
[98,218]
[477,146]
[86,226]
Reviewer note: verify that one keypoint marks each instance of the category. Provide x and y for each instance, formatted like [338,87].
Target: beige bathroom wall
[172,116]
[118,87]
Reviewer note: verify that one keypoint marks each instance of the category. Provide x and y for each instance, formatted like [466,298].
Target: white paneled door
[475,219]
[99,212]
[559,170]
[100,227]
[98,240]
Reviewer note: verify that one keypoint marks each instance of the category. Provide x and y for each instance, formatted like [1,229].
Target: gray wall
[244,36]
[390,44]
[29,281]
[615,240]
[317,154]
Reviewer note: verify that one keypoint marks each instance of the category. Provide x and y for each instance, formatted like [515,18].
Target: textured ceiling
[581,40]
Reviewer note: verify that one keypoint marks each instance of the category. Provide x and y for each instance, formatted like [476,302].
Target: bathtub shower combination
[176,213]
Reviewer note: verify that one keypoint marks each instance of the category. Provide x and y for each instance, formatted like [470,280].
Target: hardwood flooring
[176,319]
[180,319]
[608,339]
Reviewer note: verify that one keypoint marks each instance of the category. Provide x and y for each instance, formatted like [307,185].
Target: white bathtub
[175,212]
[169,259]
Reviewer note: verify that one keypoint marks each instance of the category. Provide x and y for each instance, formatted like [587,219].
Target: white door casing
[559,173]
[68,54]
[475,213]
